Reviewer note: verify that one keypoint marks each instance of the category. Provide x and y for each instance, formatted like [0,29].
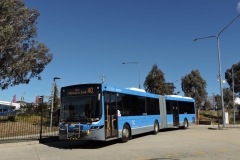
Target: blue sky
[91,38]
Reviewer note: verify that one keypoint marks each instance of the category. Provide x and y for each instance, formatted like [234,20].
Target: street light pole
[221,81]
[53,92]
[219,62]
[233,96]
[220,72]
[139,72]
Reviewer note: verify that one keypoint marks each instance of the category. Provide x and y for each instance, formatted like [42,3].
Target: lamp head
[56,78]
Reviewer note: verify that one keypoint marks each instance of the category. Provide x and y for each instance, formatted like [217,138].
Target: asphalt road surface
[194,143]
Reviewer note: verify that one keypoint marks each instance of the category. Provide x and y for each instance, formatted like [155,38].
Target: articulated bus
[102,112]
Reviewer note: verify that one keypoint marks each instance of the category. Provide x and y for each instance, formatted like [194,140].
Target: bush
[12,118]
[3,119]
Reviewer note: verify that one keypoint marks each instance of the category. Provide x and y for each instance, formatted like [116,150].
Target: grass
[23,125]
[214,116]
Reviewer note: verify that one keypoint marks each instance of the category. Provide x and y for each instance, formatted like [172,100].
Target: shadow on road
[70,144]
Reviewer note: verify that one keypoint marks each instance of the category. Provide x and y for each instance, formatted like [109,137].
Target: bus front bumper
[72,134]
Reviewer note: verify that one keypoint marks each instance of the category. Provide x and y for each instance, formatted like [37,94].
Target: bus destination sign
[77,91]
[80,90]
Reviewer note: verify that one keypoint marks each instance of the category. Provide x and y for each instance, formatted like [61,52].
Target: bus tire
[125,133]
[156,127]
[185,124]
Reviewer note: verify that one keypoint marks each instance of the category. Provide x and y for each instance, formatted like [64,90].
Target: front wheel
[125,133]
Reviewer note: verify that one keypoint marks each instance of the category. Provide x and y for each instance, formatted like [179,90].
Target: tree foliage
[228,98]
[235,76]
[170,88]
[155,82]
[218,103]
[193,85]
[22,57]
[56,100]
[207,105]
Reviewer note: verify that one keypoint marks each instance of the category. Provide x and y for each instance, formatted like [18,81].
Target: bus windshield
[82,109]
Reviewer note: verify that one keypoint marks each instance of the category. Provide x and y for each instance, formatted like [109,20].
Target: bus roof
[133,91]
[179,97]
[136,91]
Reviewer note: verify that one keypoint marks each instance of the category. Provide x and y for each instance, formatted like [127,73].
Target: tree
[236,75]
[155,81]
[56,100]
[218,101]
[207,105]
[27,109]
[193,85]
[56,104]
[22,57]
[228,98]
[171,88]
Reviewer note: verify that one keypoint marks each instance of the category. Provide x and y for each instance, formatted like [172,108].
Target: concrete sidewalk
[69,150]
[33,150]
[19,150]
[227,127]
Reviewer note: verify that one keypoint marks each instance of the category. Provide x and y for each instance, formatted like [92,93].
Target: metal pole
[220,76]
[233,96]
[52,105]
[219,63]
[41,127]
[54,84]
[213,100]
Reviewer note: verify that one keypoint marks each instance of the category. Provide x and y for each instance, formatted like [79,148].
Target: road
[194,143]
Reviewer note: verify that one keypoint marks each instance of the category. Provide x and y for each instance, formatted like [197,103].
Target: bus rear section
[177,111]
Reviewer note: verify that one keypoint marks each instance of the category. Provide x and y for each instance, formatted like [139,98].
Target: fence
[28,124]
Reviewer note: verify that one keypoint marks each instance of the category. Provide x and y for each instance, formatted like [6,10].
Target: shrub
[12,118]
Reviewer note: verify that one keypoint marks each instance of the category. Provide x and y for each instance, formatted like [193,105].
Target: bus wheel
[185,124]
[125,133]
[156,127]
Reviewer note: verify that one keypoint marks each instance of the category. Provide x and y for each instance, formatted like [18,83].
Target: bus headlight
[88,132]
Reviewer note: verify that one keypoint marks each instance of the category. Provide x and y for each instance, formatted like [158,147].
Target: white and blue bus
[102,112]
[7,110]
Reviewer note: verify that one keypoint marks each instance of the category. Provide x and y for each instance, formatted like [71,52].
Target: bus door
[111,118]
[175,113]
